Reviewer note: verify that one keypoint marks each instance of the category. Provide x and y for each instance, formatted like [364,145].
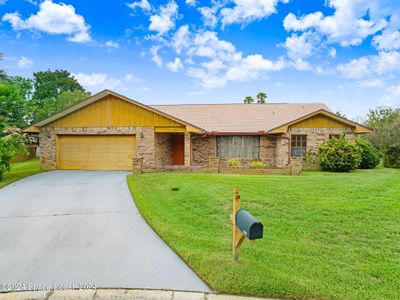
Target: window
[299,145]
[238,146]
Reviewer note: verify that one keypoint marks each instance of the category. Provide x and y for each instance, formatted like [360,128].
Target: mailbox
[249,225]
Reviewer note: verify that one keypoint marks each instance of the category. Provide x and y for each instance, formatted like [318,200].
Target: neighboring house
[108,131]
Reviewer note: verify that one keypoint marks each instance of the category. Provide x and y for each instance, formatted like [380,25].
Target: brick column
[282,152]
[137,166]
[213,165]
[145,140]
[188,149]
[47,142]
[296,165]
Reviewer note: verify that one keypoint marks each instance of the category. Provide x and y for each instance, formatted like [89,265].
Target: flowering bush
[339,155]
[233,163]
[257,164]
[12,142]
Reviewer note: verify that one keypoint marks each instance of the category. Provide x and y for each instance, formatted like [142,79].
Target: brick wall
[202,149]
[163,148]
[268,150]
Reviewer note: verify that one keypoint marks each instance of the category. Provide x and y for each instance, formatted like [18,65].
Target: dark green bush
[391,158]
[339,155]
[370,156]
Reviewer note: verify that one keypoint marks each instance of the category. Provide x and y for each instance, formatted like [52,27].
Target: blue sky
[345,53]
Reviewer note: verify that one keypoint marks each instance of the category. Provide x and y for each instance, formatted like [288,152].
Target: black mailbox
[249,225]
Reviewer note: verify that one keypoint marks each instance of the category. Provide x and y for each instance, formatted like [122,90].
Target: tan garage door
[100,152]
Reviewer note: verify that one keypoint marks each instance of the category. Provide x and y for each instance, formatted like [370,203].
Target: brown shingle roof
[239,117]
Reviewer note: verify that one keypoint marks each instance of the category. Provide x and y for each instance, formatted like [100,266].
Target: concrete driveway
[81,227]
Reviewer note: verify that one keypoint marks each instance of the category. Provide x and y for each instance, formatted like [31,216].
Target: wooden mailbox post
[243,225]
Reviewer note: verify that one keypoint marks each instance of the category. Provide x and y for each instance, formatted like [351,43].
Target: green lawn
[326,235]
[21,170]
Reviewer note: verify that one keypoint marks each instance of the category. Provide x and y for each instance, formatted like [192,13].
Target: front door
[178,149]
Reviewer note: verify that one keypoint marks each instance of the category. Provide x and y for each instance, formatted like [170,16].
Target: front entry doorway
[178,149]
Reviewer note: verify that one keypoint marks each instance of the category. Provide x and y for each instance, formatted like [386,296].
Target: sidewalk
[116,294]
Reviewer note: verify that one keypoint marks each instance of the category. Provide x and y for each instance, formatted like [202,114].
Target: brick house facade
[187,135]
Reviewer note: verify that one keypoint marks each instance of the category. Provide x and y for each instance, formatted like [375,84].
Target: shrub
[391,158]
[338,155]
[257,164]
[370,156]
[11,143]
[310,157]
[233,163]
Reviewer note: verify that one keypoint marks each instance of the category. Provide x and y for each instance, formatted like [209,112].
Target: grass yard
[21,170]
[326,235]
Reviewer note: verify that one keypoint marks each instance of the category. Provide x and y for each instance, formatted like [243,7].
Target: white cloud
[53,18]
[180,39]
[111,44]
[332,52]
[155,56]
[164,21]
[300,47]
[371,83]
[382,64]
[357,68]
[215,62]
[245,11]
[24,62]
[132,78]
[97,81]
[347,26]
[209,15]
[191,2]
[175,65]
[391,96]
[142,4]
[2,1]
[388,40]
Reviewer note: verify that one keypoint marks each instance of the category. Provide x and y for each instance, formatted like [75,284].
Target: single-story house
[108,131]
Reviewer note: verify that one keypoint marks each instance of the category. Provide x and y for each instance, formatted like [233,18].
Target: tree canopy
[13,106]
[53,105]
[50,84]
[53,91]
[385,122]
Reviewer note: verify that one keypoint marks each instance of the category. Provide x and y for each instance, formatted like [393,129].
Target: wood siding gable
[115,112]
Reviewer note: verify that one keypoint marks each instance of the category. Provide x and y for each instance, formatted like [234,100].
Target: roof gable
[321,119]
[111,109]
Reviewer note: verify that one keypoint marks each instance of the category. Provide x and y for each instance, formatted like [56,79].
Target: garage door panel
[111,152]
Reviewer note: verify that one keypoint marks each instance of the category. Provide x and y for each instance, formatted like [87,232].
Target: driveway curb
[116,294]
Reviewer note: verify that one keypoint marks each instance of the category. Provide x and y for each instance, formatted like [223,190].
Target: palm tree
[261,96]
[248,100]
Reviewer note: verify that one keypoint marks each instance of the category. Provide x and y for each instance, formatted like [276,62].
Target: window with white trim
[299,144]
[238,146]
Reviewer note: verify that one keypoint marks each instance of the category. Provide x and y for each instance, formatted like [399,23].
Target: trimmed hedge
[370,156]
